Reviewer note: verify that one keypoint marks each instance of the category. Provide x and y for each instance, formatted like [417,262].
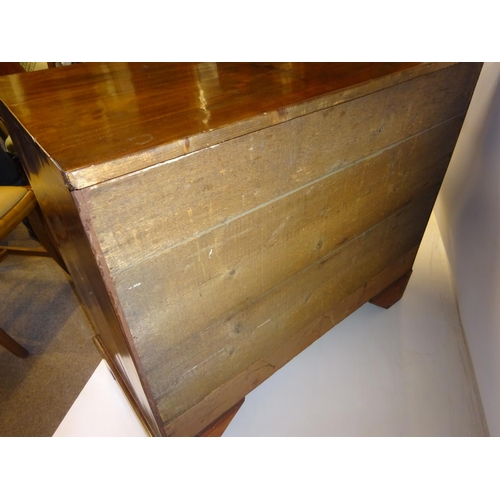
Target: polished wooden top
[9,68]
[101,120]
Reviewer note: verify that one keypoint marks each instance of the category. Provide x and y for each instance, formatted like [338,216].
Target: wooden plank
[226,395]
[232,163]
[141,214]
[122,117]
[178,292]
[186,374]
[217,428]
[219,129]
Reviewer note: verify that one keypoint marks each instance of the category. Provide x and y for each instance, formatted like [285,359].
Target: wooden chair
[16,204]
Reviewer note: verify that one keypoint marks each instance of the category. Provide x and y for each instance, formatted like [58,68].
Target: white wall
[468,213]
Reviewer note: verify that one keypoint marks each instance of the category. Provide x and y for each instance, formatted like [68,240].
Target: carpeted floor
[40,310]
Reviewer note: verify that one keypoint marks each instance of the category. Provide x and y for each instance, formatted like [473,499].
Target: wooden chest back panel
[226,395]
[188,373]
[177,293]
[221,256]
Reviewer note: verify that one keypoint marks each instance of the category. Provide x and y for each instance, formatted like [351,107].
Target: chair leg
[11,345]
[38,252]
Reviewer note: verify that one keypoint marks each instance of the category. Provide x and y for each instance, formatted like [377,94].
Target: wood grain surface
[189,372]
[202,279]
[121,117]
[226,395]
[218,218]
[203,189]
[191,242]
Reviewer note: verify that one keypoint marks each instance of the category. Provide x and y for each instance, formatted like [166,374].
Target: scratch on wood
[262,324]
[152,167]
[199,258]
[142,139]
[206,361]
[277,230]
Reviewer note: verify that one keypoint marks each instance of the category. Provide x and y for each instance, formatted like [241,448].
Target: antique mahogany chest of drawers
[216,219]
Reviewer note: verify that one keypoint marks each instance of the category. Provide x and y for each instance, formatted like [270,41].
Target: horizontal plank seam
[430,192]
[212,146]
[72,177]
[281,196]
[306,269]
[297,337]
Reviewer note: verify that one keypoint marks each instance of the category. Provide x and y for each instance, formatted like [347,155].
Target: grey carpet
[40,310]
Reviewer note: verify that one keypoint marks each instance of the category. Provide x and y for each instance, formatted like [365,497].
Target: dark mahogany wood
[39,226]
[10,68]
[393,293]
[132,106]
